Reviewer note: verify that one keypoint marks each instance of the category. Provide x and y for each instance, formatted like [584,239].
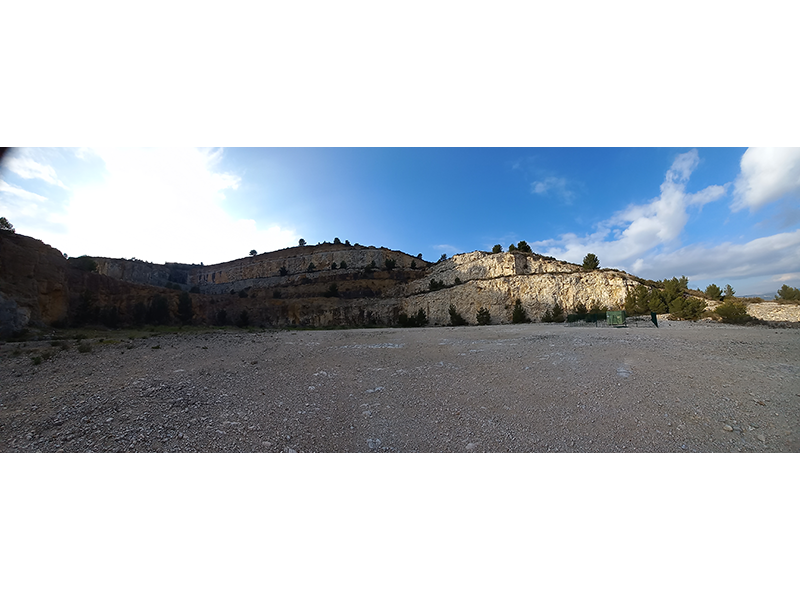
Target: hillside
[322,285]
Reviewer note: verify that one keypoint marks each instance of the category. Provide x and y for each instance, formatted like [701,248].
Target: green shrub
[523,246]
[334,266]
[558,313]
[512,248]
[597,309]
[455,318]
[84,263]
[436,285]
[390,264]
[311,267]
[713,292]
[729,291]
[418,320]
[185,312]
[733,312]
[158,313]
[243,320]
[221,317]
[497,249]
[413,264]
[483,317]
[332,291]
[457,281]
[791,294]
[283,271]
[5,225]
[84,347]
[686,308]
[36,360]
[519,315]
[343,265]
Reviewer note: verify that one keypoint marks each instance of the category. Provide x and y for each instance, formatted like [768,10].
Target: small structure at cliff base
[615,318]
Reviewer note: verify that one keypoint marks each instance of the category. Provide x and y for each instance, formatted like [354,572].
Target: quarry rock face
[138,271]
[39,287]
[260,269]
[33,283]
[537,293]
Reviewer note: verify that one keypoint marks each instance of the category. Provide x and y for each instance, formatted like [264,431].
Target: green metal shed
[615,318]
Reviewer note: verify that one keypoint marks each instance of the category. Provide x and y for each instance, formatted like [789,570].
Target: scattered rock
[727,428]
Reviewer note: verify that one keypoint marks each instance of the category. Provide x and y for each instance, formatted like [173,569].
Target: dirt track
[685,387]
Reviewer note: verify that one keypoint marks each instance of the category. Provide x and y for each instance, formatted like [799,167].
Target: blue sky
[722,215]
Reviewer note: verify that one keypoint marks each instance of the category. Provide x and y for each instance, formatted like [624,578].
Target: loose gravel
[683,387]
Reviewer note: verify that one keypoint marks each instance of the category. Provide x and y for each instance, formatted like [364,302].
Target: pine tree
[455,318]
[519,315]
[558,313]
[591,262]
[483,317]
[713,292]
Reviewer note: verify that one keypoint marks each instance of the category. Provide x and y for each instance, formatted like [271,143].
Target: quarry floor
[682,387]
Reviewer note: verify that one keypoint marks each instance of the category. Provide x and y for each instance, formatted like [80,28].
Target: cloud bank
[644,239]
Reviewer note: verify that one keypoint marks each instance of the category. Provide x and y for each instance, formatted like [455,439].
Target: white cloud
[767,175]
[160,205]
[787,277]
[31,213]
[27,168]
[557,185]
[446,248]
[8,189]
[771,255]
[639,228]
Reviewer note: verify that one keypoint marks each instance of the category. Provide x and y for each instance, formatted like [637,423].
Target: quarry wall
[39,287]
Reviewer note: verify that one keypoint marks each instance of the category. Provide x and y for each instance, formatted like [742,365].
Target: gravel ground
[684,387]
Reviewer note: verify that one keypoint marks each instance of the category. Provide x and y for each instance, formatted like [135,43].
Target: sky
[714,215]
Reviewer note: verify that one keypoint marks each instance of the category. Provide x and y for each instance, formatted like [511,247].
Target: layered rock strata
[39,287]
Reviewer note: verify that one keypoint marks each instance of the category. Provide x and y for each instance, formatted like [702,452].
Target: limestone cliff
[38,286]
[33,283]
[264,270]
[139,271]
